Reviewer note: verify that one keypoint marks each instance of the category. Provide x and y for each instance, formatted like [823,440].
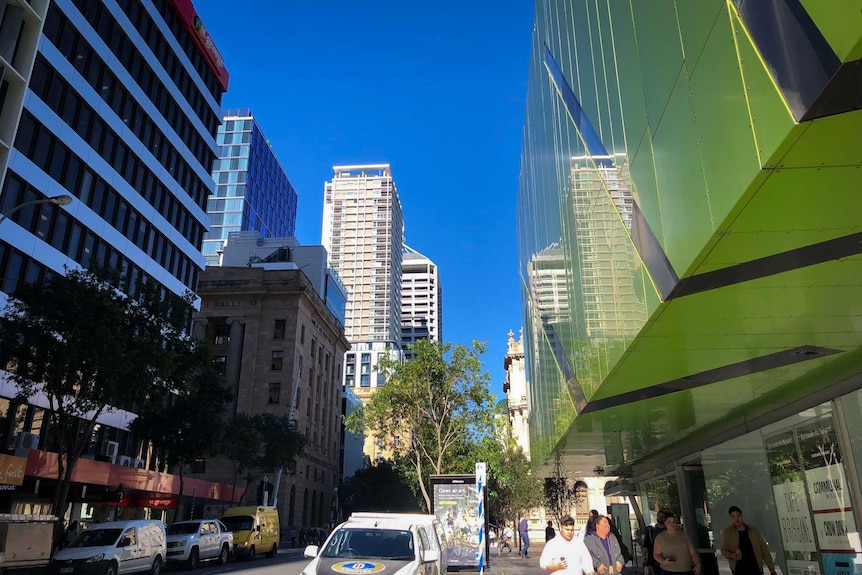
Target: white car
[367,543]
[113,548]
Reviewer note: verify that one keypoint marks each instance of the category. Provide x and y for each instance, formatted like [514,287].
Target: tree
[429,405]
[513,490]
[377,488]
[90,348]
[261,443]
[188,426]
[561,493]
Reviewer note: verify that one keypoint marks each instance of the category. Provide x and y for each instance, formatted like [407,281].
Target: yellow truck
[255,530]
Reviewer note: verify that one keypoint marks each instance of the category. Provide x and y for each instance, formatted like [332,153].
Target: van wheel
[157,565]
[274,551]
[194,558]
[251,553]
[111,569]
[222,557]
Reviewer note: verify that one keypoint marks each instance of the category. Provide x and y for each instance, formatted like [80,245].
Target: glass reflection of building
[253,192]
[700,180]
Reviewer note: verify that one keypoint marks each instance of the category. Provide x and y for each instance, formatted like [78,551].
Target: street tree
[259,444]
[380,487]
[561,493]
[90,348]
[187,426]
[429,405]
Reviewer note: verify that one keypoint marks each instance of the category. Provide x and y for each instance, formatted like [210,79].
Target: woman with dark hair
[604,547]
[673,550]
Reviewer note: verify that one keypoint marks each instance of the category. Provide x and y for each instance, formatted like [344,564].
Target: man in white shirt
[565,553]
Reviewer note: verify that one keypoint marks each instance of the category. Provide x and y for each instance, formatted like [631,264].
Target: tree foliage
[378,488]
[188,425]
[90,348]
[259,444]
[429,405]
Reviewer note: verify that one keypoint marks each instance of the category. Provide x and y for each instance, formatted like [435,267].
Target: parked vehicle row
[146,545]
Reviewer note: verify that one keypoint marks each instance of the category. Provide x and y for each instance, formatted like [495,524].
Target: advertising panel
[456,506]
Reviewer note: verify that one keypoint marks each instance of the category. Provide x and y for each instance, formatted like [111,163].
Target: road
[288,562]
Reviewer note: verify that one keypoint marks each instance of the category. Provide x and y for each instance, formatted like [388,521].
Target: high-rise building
[421,300]
[363,232]
[252,190]
[699,179]
[115,105]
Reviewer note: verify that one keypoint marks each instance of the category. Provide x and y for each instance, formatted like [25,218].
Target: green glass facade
[689,223]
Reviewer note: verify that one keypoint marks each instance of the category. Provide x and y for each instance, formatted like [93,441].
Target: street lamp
[63,200]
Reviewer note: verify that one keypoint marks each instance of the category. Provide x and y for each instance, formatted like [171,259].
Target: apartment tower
[252,190]
[421,300]
[363,232]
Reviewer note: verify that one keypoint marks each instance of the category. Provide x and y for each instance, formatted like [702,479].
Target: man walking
[652,532]
[523,528]
[550,533]
[565,553]
[744,547]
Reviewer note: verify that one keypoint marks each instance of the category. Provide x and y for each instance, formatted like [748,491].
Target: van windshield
[371,543]
[96,538]
[238,522]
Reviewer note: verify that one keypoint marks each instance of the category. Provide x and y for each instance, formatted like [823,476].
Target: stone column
[234,355]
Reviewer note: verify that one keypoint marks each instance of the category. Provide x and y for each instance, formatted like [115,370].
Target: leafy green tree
[90,348]
[188,425]
[377,488]
[513,490]
[258,444]
[429,405]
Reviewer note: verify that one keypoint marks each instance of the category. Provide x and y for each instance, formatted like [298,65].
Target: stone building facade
[280,351]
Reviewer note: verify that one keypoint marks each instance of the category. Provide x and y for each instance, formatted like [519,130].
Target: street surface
[288,562]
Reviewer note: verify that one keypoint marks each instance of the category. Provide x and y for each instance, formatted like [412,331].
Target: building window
[220,363]
[365,380]
[274,392]
[302,334]
[278,329]
[277,360]
[222,335]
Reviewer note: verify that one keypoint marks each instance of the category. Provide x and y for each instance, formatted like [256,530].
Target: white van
[113,548]
[404,542]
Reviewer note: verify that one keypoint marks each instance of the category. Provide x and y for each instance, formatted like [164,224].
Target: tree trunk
[422,488]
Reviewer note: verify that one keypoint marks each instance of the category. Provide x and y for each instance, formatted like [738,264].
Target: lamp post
[63,200]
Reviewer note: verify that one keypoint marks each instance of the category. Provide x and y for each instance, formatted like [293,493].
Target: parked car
[194,541]
[372,542]
[113,548]
[255,530]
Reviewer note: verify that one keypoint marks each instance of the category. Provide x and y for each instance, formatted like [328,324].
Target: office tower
[116,105]
[421,300]
[363,232]
[700,180]
[252,190]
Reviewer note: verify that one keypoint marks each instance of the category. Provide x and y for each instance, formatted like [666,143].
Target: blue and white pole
[481,480]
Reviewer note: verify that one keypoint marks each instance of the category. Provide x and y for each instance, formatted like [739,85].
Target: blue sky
[436,89]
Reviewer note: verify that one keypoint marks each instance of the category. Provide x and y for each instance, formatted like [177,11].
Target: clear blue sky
[435,89]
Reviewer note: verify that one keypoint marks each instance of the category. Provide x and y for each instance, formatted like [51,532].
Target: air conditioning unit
[125,461]
[139,464]
[111,449]
[24,442]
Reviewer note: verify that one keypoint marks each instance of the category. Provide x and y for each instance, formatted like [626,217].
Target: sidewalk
[510,563]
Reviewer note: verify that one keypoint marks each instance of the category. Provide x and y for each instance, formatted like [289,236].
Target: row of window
[183,35]
[77,113]
[75,48]
[54,158]
[151,34]
[56,227]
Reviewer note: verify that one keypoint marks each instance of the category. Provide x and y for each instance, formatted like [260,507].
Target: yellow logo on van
[358,567]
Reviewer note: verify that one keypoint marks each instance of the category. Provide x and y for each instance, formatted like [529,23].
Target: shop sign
[12,469]
[157,500]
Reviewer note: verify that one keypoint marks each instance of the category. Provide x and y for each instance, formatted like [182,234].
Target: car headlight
[95,558]
[181,543]
[245,543]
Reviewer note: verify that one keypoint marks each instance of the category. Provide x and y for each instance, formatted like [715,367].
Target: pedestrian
[292,536]
[565,553]
[674,551]
[604,548]
[549,532]
[523,528]
[744,547]
[589,526]
[652,532]
[71,532]
[507,538]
